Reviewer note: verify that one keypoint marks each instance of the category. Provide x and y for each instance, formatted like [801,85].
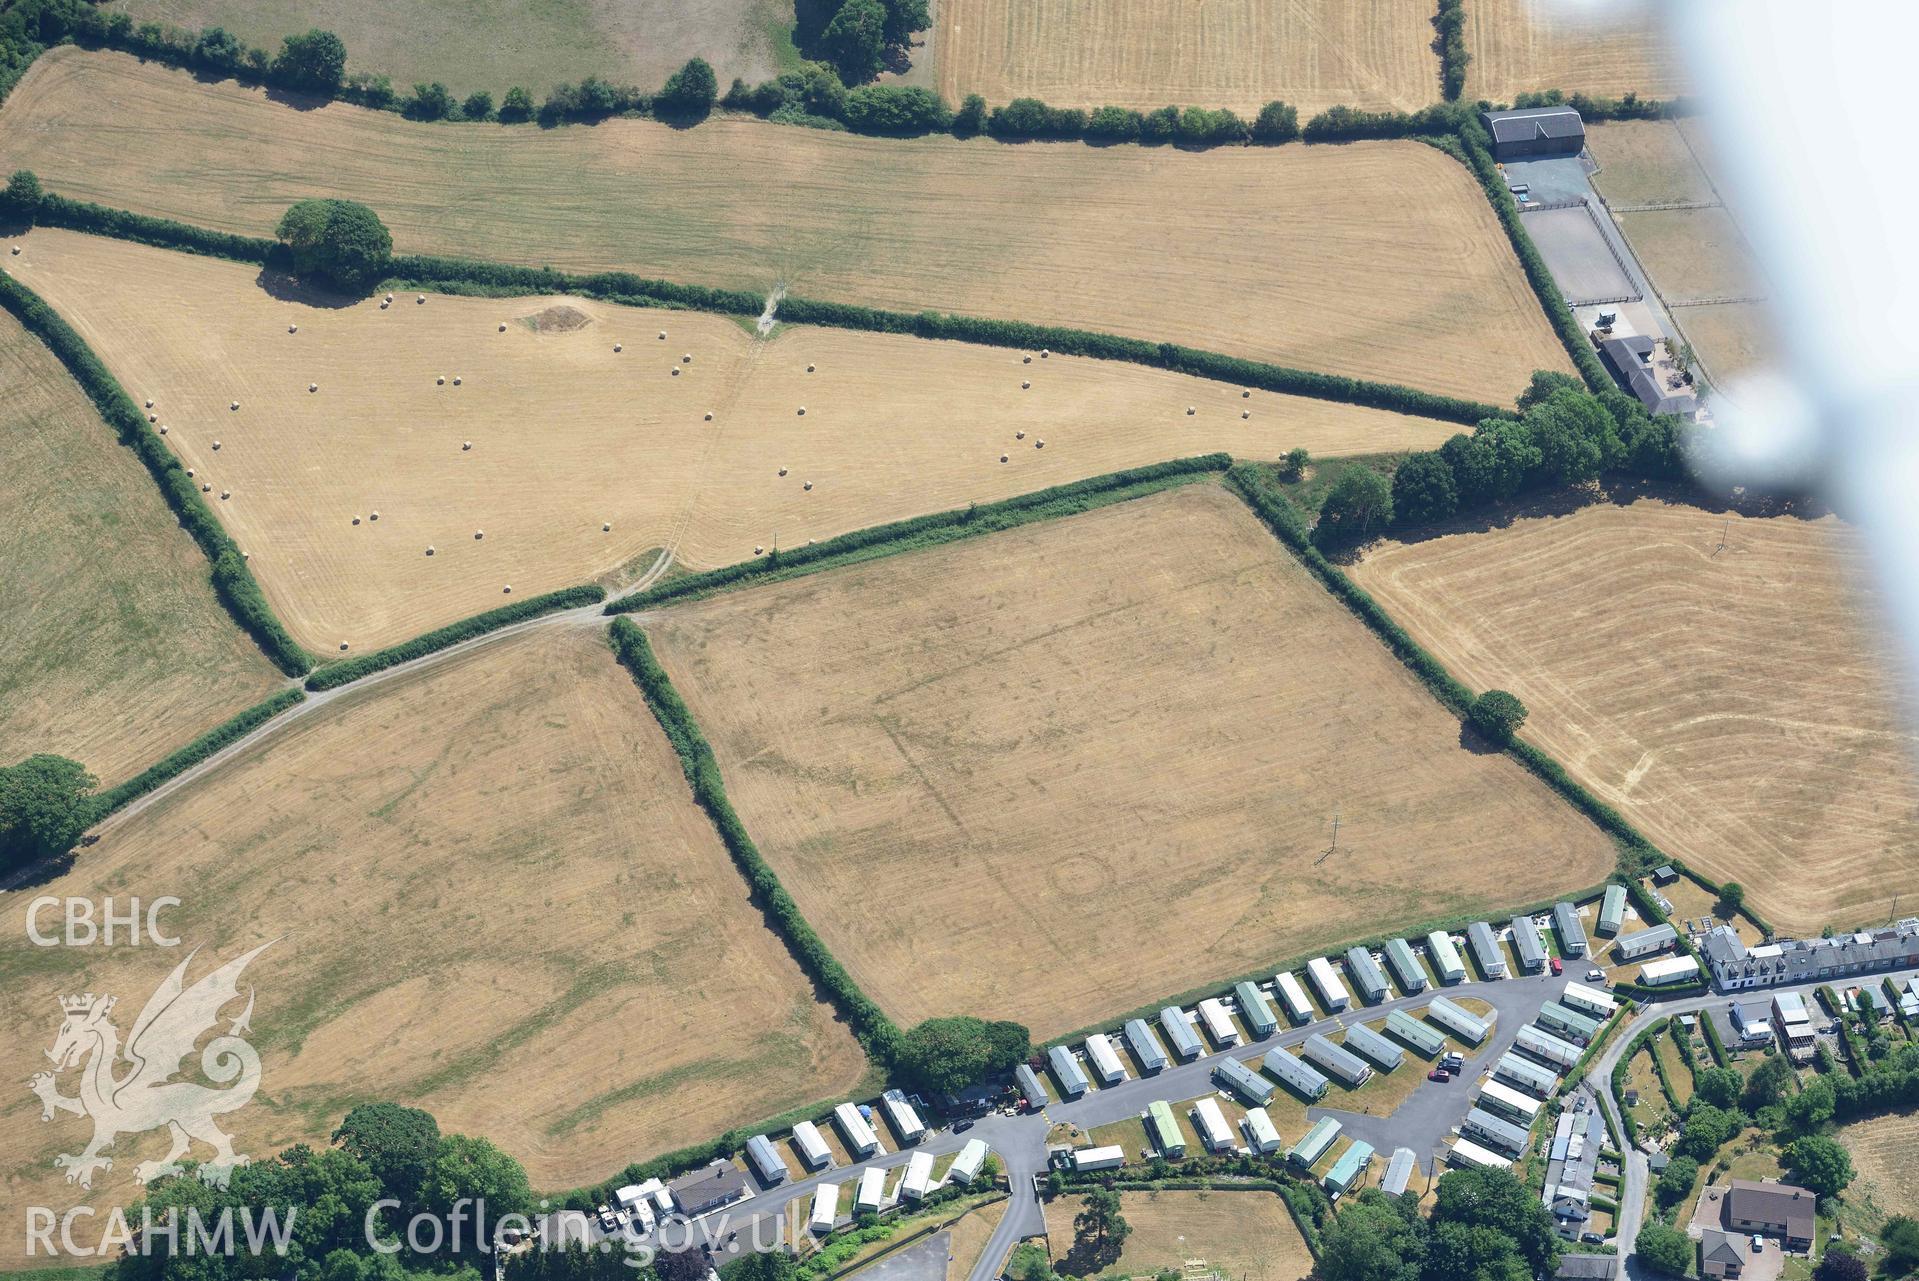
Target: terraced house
[1788,962]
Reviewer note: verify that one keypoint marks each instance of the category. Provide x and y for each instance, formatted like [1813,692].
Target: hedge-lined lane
[179,762]
[335,675]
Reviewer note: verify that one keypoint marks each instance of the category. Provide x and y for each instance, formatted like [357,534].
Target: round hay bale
[662,335]
[478,534]
[1189,411]
[429,549]
[709,415]
[808,486]
[216,444]
[782,471]
[189,471]
[1039,444]
[356,520]
[465,445]
[676,371]
[1002,457]
[1247,394]
[235,406]
[619,346]
[457,380]
[1025,385]
[606,527]
[389,298]
[1044,354]
[1245,413]
[802,411]
[163,429]
[225,494]
[1019,435]
[204,487]
[342,646]
[502,326]
[373,515]
[809,369]
[508,589]
[758,550]
[386,304]
[149,402]
[440,381]
[1025,360]
[153,418]
[311,387]
[421,299]
[16,251]
[293,329]
[686,358]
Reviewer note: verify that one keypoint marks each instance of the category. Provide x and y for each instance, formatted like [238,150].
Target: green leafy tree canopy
[45,803]
[341,240]
[1497,715]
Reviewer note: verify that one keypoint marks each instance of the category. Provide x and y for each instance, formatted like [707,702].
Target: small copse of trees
[340,241]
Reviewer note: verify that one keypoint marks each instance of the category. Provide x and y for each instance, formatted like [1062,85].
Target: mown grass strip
[936,529]
[233,582]
[335,675]
[179,762]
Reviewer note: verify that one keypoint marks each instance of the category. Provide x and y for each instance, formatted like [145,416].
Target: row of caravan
[870,1193]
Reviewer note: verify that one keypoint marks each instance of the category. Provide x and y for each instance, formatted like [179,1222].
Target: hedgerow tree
[1423,491]
[856,39]
[398,1143]
[44,806]
[1276,122]
[315,60]
[341,240]
[21,199]
[1820,1164]
[690,91]
[941,1055]
[478,106]
[1360,503]
[516,106]
[1732,897]
[1497,715]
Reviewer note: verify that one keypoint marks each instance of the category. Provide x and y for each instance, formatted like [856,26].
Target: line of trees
[1485,1225]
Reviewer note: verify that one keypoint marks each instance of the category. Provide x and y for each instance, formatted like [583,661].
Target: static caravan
[1612,911]
[1399,1171]
[1170,1139]
[1145,1046]
[1302,1077]
[1313,1144]
[1342,1063]
[859,1136]
[1546,1047]
[906,1121]
[1465,1026]
[919,1176]
[1458,1021]
[1363,1040]
[1630,947]
[766,1159]
[1217,1022]
[872,1190]
[1072,1081]
[966,1166]
[1485,945]
[1105,1059]
[1498,1131]
[638,1201]
[1292,995]
[1346,1171]
[1572,935]
[1406,966]
[1421,1036]
[812,1148]
[1249,1085]
[1669,969]
[1030,1088]
[1261,1134]
[1569,1023]
[1508,1102]
[1366,975]
[1254,1012]
[1589,1000]
[1531,948]
[1325,980]
[1527,1075]
[1212,1127]
[1446,962]
[1099,1158]
[826,1209]
[1180,1034]
[1466,1152]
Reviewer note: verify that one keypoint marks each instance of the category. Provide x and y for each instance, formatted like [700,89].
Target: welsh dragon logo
[130,1091]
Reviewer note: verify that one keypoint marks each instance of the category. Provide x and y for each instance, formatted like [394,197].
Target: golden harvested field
[1375,54]
[1646,162]
[1523,46]
[1731,337]
[1737,705]
[1882,1150]
[1381,260]
[568,435]
[980,768]
[1693,254]
[1246,1235]
[492,897]
[117,650]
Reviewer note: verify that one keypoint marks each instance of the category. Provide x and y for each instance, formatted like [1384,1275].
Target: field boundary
[933,530]
[233,582]
[1285,1186]
[492,279]
[334,675]
[177,762]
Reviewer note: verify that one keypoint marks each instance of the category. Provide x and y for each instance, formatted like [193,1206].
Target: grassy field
[1887,1180]
[116,651]
[1693,254]
[979,768]
[492,897]
[1731,337]
[1736,704]
[1520,46]
[1375,54]
[494,44]
[1645,162]
[569,436]
[1319,257]
[1246,1235]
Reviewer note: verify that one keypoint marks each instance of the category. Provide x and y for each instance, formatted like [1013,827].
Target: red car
[1439,1074]
[1557,967]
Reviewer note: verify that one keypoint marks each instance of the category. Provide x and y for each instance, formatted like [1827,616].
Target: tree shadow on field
[1477,743]
[46,871]
[287,288]
[297,99]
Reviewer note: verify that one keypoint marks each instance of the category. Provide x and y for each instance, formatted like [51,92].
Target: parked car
[1452,1061]
[607,1220]
[1595,975]
[1557,968]
[1439,1074]
[961,1127]
[1758,1244]
[1592,1238]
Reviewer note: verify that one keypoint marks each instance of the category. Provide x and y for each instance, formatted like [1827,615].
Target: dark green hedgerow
[231,731]
[336,674]
[876,1032]
[233,582]
[931,530]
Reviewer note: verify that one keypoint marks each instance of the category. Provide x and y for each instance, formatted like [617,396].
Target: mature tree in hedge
[1373,1239]
[856,39]
[1113,124]
[1424,491]
[942,1055]
[1771,1081]
[971,117]
[218,49]
[1664,1249]
[1497,715]
[1276,122]
[1545,383]
[904,17]
[690,91]
[478,105]
[1732,897]
[516,106]
[431,102]
[315,61]
[1359,503]
[1819,1163]
[1675,1182]
[1707,1129]
[1721,1087]
[45,803]
[475,1170]
[1496,1199]
[21,199]
[895,109]
[1293,464]
[1900,1239]
[1812,1107]
[398,1143]
[341,240]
